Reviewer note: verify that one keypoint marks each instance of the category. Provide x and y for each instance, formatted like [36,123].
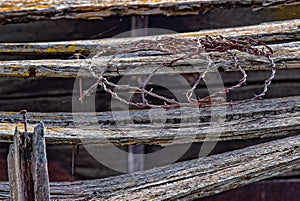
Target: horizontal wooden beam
[187,180]
[286,56]
[266,32]
[14,11]
[257,119]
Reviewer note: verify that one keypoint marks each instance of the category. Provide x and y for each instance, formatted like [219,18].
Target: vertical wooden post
[22,163]
[39,165]
[136,157]
[27,166]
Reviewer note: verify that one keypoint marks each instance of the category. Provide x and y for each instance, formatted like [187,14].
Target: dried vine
[181,50]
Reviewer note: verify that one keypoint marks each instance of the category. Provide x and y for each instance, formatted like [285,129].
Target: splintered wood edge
[187,180]
[32,10]
[258,119]
[286,56]
[266,32]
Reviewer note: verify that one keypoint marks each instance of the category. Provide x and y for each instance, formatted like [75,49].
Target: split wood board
[258,119]
[14,11]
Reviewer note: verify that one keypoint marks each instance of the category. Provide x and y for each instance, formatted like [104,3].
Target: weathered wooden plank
[286,56]
[258,119]
[256,108]
[267,32]
[190,179]
[13,11]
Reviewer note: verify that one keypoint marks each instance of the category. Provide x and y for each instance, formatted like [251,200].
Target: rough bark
[39,165]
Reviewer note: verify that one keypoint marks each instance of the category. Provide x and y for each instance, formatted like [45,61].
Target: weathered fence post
[27,166]
[39,165]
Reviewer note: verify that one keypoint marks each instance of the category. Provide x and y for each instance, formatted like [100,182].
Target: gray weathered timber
[188,180]
[286,56]
[257,119]
[39,165]
[22,166]
[12,173]
[267,32]
[27,166]
[13,11]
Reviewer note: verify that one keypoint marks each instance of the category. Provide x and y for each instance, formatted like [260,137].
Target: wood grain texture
[187,180]
[267,32]
[27,166]
[39,165]
[22,166]
[286,56]
[12,173]
[258,119]
[13,11]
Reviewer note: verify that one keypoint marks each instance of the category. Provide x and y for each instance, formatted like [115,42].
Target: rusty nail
[23,113]
[77,55]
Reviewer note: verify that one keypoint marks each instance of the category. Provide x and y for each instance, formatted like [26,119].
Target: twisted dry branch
[179,49]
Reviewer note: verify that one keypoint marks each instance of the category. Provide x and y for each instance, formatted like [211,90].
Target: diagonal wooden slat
[187,180]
